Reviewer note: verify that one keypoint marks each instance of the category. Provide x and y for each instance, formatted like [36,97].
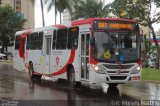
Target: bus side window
[61,39]
[40,40]
[73,38]
[31,41]
[28,42]
[54,40]
[17,42]
[36,38]
[34,41]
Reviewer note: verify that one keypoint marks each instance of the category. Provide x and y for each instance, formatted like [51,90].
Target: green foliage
[10,22]
[89,9]
[141,11]
[153,50]
[118,7]
[137,9]
[150,74]
[147,46]
[60,5]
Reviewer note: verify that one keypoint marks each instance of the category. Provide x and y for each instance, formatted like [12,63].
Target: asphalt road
[16,89]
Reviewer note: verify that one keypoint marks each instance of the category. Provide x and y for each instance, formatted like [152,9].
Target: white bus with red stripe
[94,50]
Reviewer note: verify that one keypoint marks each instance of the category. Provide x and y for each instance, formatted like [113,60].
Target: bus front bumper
[114,78]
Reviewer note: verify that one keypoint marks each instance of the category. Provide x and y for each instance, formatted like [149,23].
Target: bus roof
[20,32]
[90,20]
[58,26]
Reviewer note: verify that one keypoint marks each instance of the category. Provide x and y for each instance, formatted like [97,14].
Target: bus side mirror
[92,41]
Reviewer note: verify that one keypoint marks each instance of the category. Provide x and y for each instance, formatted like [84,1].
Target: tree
[89,9]
[141,10]
[59,5]
[42,11]
[10,22]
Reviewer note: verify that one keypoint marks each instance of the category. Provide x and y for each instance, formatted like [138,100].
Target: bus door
[85,37]
[47,53]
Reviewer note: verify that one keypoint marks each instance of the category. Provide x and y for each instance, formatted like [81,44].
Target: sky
[49,16]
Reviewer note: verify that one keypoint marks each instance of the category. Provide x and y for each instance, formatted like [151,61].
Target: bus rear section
[19,50]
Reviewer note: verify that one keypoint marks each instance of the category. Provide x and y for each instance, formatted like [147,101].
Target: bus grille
[118,77]
[117,66]
[114,72]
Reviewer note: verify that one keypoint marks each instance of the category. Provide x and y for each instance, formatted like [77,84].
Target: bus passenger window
[40,40]
[28,42]
[61,39]
[34,41]
[17,42]
[54,40]
[31,41]
[36,38]
[73,38]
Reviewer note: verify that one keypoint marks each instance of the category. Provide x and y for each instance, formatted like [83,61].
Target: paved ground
[17,88]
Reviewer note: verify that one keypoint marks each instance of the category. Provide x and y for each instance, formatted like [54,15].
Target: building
[23,8]
[66,17]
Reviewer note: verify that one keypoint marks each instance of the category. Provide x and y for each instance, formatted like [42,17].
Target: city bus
[93,50]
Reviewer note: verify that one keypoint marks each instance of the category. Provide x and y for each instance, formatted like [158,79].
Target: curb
[153,81]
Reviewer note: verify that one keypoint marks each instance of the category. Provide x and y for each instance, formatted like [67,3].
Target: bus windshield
[116,46]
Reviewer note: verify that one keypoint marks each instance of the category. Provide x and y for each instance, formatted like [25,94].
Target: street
[17,88]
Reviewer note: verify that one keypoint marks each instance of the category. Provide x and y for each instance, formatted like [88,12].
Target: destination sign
[113,25]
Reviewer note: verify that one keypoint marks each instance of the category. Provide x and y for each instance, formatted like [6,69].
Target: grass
[9,61]
[151,74]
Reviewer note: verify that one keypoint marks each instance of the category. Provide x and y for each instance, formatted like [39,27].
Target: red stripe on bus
[139,62]
[59,26]
[64,69]
[22,41]
[21,49]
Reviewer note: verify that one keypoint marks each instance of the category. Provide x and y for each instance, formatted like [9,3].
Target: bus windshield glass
[116,46]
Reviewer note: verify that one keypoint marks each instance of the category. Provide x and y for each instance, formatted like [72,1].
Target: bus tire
[112,84]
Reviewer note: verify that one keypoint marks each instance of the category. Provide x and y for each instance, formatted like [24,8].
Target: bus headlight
[98,69]
[136,70]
